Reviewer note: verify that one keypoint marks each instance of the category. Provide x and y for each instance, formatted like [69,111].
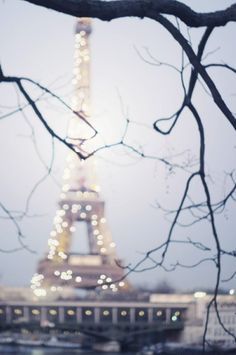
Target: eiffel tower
[80,201]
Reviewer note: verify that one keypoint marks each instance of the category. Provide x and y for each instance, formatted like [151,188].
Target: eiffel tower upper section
[80,201]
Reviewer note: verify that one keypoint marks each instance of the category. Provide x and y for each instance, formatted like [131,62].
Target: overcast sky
[39,44]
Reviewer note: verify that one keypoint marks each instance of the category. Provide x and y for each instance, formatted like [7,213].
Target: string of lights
[79,199]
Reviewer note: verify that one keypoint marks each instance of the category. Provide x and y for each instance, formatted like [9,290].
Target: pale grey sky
[38,43]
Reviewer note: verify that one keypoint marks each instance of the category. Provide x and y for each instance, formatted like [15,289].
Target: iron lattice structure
[80,201]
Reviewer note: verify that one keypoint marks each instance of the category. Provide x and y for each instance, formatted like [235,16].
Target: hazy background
[39,44]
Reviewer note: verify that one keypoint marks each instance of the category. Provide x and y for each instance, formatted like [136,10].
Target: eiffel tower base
[82,271]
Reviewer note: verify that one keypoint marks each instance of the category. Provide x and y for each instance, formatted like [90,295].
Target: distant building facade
[192,334]
[188,309]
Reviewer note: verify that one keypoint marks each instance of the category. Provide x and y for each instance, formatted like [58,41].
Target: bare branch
[108,10]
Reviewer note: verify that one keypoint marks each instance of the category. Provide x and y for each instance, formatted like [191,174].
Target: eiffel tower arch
[80,202]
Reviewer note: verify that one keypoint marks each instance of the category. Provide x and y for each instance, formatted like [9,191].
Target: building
[218,328]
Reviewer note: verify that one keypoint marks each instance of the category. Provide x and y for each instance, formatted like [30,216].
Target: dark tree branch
[194,60]
[107,11]
[221,65]
[20,235]
[155,9]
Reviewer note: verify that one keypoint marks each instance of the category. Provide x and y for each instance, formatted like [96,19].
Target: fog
[39,44]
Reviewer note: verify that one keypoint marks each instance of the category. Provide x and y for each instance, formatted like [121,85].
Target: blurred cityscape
[85,302]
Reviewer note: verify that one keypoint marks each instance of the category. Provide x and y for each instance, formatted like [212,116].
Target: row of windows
[226,319]
[123,314]
[219,331]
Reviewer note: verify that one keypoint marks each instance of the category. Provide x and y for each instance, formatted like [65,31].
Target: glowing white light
[53,243]
[35,311]
[88,312]
[88,207]
[40,292]
[37,277]
[65,187]
[70,312]
[53,233]
[62,255]
[76,207]
[58,227]
[61,213]
[58,219]
[199,294]
[78,279]
[65,276]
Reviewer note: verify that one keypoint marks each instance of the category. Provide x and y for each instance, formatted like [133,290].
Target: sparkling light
[65,207]
[40,292]
[199,294]
[35,311]
[62,255]
[78,279]
[88,312]
[70,312]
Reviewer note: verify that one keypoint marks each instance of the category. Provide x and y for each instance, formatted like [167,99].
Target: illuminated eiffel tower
[79,202]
